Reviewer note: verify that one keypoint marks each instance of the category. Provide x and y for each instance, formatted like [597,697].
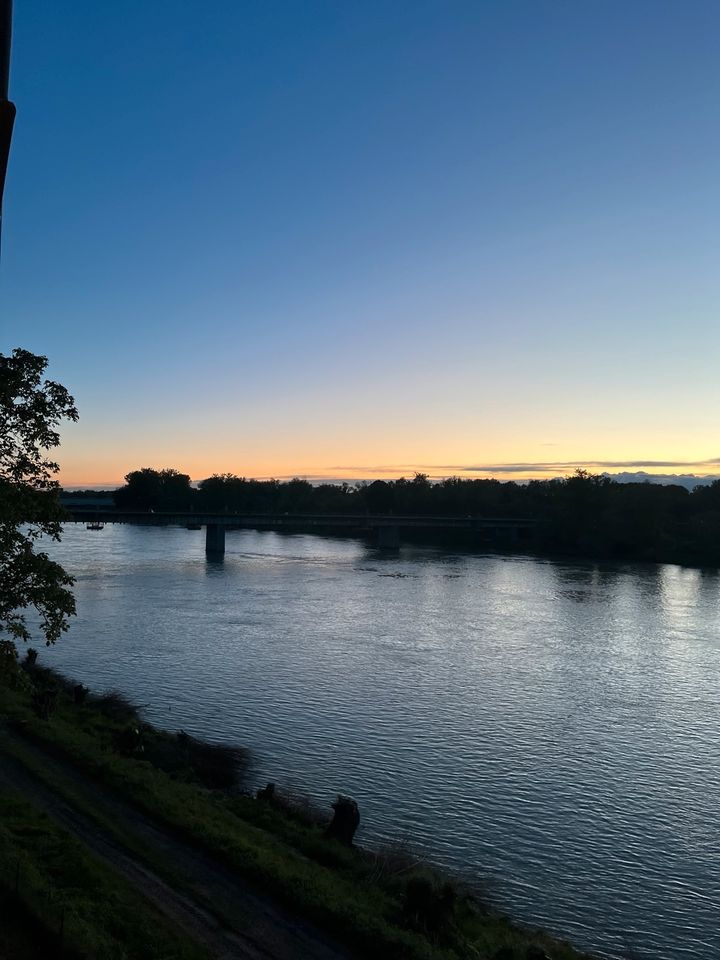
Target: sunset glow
[364,241]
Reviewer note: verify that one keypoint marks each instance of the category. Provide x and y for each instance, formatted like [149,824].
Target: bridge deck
[356,521]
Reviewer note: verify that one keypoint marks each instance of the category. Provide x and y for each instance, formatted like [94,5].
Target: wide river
[549,728]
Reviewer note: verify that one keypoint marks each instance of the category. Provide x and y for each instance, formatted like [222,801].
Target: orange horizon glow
[83,475]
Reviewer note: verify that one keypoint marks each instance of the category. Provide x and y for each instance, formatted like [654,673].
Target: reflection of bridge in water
[386,527]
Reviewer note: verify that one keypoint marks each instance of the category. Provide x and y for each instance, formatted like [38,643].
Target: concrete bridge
[386,527]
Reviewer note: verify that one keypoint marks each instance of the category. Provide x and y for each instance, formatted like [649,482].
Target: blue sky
[363,238]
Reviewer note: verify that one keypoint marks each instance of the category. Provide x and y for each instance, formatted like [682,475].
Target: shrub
[345,821]
[389,863]
[44,701]
[429,906]
[31,656]
[217,765]
[10,673]
[47,677]
[116,706]
[295,805]
[128,741]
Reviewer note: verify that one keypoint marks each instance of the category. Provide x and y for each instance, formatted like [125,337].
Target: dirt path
[211,903]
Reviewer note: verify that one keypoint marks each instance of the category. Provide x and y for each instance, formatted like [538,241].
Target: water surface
[551,728]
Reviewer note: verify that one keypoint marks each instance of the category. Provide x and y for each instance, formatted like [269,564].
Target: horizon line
[551,472]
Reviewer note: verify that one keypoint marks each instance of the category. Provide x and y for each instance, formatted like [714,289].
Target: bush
[295,805]
[217,765]
[44,701]
[31,656]
[43,677]
[429,906]
[390,863]
[10,673]
[116,706]
[128,741]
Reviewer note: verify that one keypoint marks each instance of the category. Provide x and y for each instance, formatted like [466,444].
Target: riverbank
[185,857]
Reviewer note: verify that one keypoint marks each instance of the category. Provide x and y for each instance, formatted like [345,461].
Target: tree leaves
[31,410]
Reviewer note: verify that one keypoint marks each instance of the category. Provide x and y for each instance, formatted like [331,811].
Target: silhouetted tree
[584,514]
[380,497]
[297,495]
[149,489]
[31,409]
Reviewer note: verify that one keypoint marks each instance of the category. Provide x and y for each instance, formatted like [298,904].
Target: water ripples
[548,729]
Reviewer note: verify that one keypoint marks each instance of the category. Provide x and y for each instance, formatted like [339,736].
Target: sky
[359,239]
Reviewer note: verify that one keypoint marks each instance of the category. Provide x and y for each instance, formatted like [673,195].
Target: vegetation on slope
[65,895]
[387,905]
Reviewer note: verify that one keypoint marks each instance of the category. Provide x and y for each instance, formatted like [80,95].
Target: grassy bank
[57,895]
[384,904]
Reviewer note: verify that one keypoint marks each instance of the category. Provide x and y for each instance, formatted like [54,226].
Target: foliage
[11,674]
[31,656]
[116,705]
[582,515]
[30,411]
[429,906]
[44,701]
[149,489]
[219,766]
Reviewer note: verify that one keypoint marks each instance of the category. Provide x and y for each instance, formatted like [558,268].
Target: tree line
[582,515]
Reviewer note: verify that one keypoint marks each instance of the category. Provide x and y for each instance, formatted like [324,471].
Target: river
[548,728]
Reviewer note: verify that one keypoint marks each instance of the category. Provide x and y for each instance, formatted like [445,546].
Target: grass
[76,905]
[213,765]
[387,904]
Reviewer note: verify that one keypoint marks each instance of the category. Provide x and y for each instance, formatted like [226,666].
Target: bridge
[386,527]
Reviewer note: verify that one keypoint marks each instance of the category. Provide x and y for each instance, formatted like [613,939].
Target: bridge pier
[215,540]
[388,537]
